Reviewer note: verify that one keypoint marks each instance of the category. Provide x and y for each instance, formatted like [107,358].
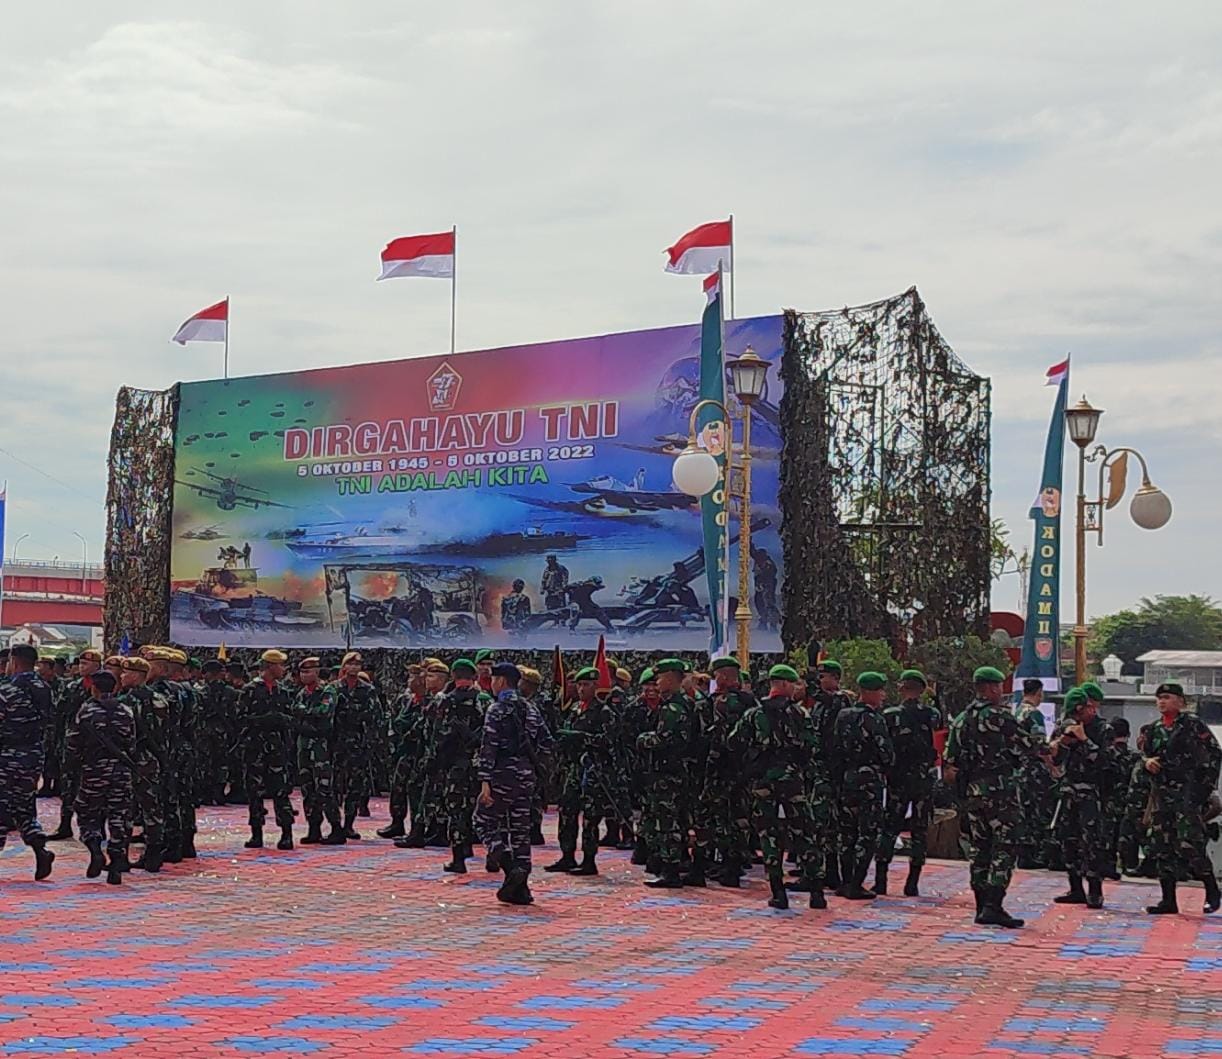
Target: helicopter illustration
[229,493]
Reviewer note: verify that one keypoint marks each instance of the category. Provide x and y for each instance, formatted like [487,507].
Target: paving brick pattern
[371,951]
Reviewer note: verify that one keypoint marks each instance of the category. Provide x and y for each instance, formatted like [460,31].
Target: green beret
[193,662]
[723,663]
[671,665]
[830,666]
[484,654]
[586,673]
[1170,688]
[1093,691]
[988,675]
[782,672]
[647,677]
[914,674]
[871,681]
[1075,698]
[462,663]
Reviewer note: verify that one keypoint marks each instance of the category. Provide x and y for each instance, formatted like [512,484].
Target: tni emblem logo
[444,385]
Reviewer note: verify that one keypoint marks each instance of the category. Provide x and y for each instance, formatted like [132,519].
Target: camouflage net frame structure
[139,508]
[884,478]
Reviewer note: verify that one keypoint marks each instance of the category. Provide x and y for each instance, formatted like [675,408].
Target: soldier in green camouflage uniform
[1183,759]
[215,732]
[911,726]
[667,747]
[72,696]
[456,736]
[1134,839]
[776,740]
[413,731]
[640,716]
[355,718]
[184,757]
[150,712]
[1125,757]
[1037,791]
[1081,744]
[404,715]
[984,751]
[313,713]
[826,702]
[865,754]
[265,733]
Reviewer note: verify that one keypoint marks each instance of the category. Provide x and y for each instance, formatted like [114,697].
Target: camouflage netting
[884,478]
[139,505]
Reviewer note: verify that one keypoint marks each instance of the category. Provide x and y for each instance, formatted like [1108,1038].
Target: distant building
[1199,671]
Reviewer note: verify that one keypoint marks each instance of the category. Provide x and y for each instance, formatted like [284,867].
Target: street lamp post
[84,563]
[1150,508]
[696,473]
[15,544]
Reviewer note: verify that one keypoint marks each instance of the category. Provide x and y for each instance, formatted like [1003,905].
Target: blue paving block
[883,1004]
[974,937]
[8,1017]
[719,944]
[400,954]
[222,1001]
[617,985]
[417,1003]
[516,969]
[887,924]
[849,1046]
[24,968]
[260,1045]
[188,967]
[1189,1046]
[703,1023]
[1076,952]
[60,1045]
[751,985]
[344,968]
[507,1022]
[883,1024]
[124,983]
[288,983]
[1205,963]
[37,1000]
[745,1003]
[133,1022]
[658,902]
[472,1045]
[458,985]
[337,1022]
[1027,1025]
[663,1046]
[571,1003]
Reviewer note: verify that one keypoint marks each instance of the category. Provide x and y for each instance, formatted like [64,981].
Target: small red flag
[600,663]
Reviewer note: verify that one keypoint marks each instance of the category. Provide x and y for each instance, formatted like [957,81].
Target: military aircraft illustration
[607,492]
[208,533]
[229,492]
[664,445]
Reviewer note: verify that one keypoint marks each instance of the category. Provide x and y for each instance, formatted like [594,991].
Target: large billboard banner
[516,497]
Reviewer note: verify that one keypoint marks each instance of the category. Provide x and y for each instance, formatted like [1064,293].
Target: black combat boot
[978,893]
[912,883]
[492,863]
[611,839]
[817,900]
[779,898]
[1094,893]
[349,830]
[853,888]
[992,914]
[842,867]
[1075,895]
[313,835]
[567,862]
[436,837]
[286,837]
[64,831]
[392,830]
[151,861]
[364,808]
[256,837]
[336,836]
[414,839]
[587,865]
[172,851]
[640,853]
[113,875]
[695,874]
[458,863]
[668,879]
[536,835]
[1168,905]
[627,840]
[515,891]
[653,864]
[880,877]
[96,860]
[119,862]
[729,875]
[833,880]
[43,857]
[1213,897]
[187,848]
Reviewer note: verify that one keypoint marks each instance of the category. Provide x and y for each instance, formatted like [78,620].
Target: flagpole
[227,322]
[3,528]
[732,283]
[727,485]
[453,288]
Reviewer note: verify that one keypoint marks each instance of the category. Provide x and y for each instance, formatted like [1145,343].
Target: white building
[1199,671]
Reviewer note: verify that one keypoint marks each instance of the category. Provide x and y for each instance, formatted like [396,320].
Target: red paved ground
[370,951]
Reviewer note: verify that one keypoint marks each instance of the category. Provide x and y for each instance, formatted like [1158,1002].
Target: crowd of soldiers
[698,774]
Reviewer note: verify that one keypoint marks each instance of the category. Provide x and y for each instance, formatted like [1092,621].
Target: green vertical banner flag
[713,434]
[1041,632]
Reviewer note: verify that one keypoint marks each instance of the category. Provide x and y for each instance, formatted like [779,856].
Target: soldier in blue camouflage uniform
[101,741]
[1037,790]
[313,712]
[826,702]
[456,736]
[1183,759]
[215,732]
[1081,745]
[355,716]
[865,754]
[984,753]
[776,740]
[667,748]
[584,742]
[910,780]
[265,732]
[72,696]
[25,705]
[514,747]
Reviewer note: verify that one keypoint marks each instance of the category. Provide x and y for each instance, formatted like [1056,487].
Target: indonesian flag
[1058,373]
[207,325]
[419,255]
[702,249]
[712,287]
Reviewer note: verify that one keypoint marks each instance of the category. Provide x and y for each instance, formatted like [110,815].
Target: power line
[52,478]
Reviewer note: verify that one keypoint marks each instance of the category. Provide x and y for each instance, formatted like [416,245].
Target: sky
[1045,174]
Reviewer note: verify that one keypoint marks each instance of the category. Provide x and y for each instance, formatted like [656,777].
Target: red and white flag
[712,287]
[1057,373]
[702,249]
[207,325]
[419,255]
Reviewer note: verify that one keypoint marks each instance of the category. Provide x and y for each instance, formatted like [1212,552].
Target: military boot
[1094,893]
[96,860]
[779,898]
[256,837]
[640,853]
[695,874]
[313,835]
[1213,897]
[349,830]
[979,895]
[113,875]
[993,914]
[458,863]
[880,877]
[627,840]
[119,862]
[567,862]
[515,891]
[854,876]
[536,835]
[43,857]
[668,879]
[587,865]
[392,830]
[414,839]
[286,838]
[64,831]
[817,900]
[1075,895]
[172,851]
[912,883]
[729,875]
[1168,905]
[611,839]
[151,861]
[336,836]
[187,848]
[833,880]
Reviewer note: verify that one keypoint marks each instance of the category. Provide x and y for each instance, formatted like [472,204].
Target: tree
[857,656]
[1164,623]
[951,661]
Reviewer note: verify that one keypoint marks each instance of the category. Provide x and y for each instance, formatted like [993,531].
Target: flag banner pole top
[702,250]
[430,256]
[207,325]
